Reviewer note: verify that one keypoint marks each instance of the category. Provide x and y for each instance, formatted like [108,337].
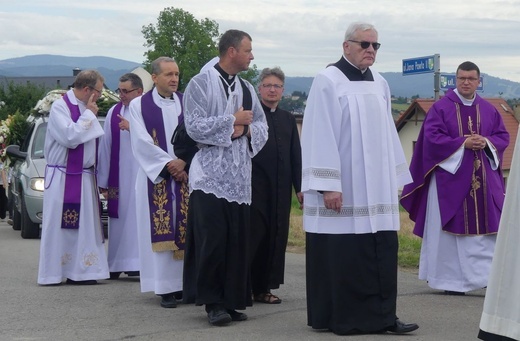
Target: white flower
[44,105]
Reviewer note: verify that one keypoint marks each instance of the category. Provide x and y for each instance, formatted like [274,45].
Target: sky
[300,36]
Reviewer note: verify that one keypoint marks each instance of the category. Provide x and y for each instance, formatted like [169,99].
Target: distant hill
[112,69]
[54,65]
[422,85]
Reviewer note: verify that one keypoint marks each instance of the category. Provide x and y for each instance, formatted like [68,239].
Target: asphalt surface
[117,310]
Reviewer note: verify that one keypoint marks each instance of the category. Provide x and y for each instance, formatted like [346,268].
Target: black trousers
[351,281]
[483,335]
[216,262]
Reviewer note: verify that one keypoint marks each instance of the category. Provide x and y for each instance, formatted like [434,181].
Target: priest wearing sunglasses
[353,166]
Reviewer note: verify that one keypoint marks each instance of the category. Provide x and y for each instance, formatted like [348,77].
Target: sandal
[267,298]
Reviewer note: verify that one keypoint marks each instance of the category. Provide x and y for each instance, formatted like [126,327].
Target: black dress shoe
[454,293]
[115,275]
[236,316]
[219,317]
[402,328]
[87,282]
[168,301]
[132,273]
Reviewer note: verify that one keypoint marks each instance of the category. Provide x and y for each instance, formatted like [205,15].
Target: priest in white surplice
[72,239]
[353,165]
[500,319]
[224,116]
[161,184]
[117,172]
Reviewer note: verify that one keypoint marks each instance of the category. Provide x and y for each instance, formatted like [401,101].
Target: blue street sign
[415,66]
[448,82]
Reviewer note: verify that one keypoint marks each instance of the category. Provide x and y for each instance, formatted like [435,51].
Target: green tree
[19,97]
[251,75]
[178,34]
[294,106]
[17,129]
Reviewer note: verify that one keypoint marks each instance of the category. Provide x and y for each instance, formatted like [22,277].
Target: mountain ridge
[112,68]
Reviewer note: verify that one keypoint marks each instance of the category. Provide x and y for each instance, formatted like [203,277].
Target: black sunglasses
[366,44]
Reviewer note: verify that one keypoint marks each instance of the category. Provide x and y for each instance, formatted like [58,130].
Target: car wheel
[17,220]
[30,230]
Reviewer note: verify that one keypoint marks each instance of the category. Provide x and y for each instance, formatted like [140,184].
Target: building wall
[409,133]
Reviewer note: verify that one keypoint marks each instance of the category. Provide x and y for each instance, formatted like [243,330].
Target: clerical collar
[353,73]
[225,76]
[268,109]
[171,97]
[464,100]
[362,71]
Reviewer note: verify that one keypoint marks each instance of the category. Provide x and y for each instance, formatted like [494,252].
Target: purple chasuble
[113,172]
[470,201]
[73,178]
[166,234]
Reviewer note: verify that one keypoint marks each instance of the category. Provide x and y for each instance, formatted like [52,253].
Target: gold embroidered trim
[71,217]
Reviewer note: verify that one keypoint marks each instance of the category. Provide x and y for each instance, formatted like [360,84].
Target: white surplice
[501,312]
[357,154]
[123,249]
[78,254]
[225,168]
[448,261]
[160,272]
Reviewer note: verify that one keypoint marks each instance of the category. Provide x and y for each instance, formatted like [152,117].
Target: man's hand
[475,142]
[333,200]
[123,123]
[176,167]
[243,117]
[91,105]
[104,192]
[238,130]
[182,177]
[299,195]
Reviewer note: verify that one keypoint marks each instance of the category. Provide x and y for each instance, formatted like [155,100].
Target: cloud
[301,36]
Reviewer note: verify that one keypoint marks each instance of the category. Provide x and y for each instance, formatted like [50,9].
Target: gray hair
[134,79]
[276,71]
[156,64]
[88,78]
[358,26]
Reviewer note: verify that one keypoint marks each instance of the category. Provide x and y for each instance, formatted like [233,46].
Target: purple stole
[166,234]
[113,172]
[73,177]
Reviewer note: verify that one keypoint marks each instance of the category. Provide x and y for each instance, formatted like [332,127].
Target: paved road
[116,310]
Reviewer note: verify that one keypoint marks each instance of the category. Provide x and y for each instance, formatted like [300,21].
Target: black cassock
[276,171]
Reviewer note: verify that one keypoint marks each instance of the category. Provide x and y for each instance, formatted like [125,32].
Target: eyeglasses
[269,86]
[469,79]
[366,44]
[99,92]
[124,91]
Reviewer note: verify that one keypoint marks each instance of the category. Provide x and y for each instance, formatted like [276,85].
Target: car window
[25,143]
[39,141]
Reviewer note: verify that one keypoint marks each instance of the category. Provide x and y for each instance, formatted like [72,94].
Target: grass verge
[409,244]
